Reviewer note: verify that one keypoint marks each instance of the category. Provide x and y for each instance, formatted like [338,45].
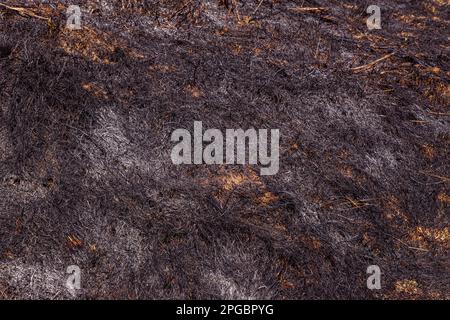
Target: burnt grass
[85,171]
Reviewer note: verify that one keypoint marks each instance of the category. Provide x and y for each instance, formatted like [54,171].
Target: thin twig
[309,9]
[439,113]
[371,64]
[444,179]
[259,5]
[24,12]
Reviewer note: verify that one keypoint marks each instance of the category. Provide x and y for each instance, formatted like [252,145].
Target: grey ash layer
[86,176]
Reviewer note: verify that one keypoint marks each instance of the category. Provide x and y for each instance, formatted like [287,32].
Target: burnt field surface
[86,176]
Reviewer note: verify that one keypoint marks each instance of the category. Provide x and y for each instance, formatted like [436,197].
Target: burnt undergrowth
[86,176]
